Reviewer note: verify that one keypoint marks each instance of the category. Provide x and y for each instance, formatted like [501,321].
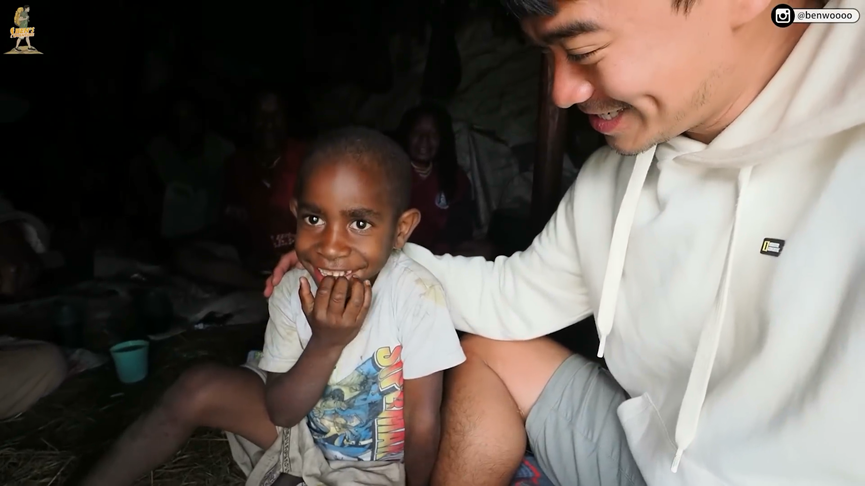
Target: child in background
[358,339]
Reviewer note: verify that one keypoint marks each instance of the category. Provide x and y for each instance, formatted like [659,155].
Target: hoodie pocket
[653,447]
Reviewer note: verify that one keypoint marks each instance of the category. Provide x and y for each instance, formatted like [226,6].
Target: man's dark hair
[546,8]
[368,148]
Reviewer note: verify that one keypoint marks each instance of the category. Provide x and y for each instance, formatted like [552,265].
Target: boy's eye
[361,225]
[312,220]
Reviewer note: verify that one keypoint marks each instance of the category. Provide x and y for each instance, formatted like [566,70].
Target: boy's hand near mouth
[337,311]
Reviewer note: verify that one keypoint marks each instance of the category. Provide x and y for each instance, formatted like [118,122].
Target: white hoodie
[745,368]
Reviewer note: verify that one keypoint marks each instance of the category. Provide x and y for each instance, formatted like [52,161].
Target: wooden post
[547,178]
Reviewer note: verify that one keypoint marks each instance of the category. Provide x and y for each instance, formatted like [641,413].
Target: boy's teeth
[329,273]
[609,115]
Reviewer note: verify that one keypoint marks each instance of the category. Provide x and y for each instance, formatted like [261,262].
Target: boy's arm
[297,380]
[429,347]
[297,373]
[423,397]
[291,395]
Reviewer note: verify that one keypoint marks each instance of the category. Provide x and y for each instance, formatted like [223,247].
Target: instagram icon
[784,16]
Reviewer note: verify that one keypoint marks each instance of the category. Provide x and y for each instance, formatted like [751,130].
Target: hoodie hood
[818,92]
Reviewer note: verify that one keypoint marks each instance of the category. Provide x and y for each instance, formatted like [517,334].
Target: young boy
[352,377]
[359,338]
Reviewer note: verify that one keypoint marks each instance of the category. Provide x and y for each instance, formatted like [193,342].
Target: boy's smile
[345,221]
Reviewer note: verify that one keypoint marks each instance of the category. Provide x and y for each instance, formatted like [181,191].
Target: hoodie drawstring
[619,247]
[710,337]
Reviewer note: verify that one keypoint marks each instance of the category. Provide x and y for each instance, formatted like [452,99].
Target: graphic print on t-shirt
[360,417]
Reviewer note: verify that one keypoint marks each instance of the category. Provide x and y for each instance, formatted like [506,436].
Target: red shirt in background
[258,198]
[432,232]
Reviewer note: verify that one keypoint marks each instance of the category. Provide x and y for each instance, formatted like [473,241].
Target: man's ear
[293,206]
[406,223]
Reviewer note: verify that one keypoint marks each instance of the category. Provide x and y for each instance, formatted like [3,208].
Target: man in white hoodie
[719,241]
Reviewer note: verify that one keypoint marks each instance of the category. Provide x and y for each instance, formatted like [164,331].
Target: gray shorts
[574,430]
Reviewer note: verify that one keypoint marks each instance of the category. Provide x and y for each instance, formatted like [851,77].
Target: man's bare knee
[524,367]
[477,346]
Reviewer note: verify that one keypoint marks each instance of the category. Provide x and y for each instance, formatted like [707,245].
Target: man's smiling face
[643,71]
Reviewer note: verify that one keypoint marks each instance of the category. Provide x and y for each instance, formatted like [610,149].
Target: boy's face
[345,222]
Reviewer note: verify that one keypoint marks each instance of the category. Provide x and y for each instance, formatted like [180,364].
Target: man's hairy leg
[486,402]
[227,398]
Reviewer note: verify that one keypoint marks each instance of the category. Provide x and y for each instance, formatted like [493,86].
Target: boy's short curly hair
[368,148]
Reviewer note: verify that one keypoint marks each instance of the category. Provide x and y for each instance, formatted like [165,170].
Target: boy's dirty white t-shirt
[407,334]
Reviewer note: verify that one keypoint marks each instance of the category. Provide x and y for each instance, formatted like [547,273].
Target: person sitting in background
[256,225]
[184,176]
[180,176]
[29,370]
[440,189]
[261,179]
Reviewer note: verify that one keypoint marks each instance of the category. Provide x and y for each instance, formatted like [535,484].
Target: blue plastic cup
[130,360]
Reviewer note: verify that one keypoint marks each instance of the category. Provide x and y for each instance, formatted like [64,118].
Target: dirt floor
[65,432]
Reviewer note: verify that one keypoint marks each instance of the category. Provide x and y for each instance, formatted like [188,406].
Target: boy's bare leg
[227,398]
[486,402]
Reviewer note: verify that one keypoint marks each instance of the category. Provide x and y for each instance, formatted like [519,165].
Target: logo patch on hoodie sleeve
[772,246]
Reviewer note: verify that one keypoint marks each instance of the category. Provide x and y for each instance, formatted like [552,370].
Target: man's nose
[571,86]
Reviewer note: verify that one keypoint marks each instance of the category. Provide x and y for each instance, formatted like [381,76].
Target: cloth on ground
[530,474]
[101,301]
[29,370]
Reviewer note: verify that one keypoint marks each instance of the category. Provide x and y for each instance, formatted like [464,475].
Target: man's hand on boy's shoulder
[337,311]
[286,262]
